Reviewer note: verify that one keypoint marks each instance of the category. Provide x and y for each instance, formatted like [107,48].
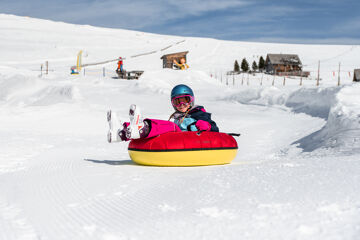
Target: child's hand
[202,125]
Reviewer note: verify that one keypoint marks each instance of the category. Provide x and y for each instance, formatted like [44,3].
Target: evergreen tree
[244,65]
[254,66]
[236,66]
[261,63]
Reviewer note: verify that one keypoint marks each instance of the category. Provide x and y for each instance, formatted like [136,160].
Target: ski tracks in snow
[13,223]
[66,192]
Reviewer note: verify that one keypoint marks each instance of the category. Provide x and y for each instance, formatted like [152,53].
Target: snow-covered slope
[24,45]
[296,175]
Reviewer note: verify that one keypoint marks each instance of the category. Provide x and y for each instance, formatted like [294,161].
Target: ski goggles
[182,100]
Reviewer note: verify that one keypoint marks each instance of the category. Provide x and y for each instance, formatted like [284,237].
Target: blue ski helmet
[182,89]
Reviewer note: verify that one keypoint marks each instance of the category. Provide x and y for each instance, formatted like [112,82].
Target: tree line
[245,65]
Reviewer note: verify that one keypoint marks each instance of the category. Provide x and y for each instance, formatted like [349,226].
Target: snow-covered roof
[175,54]
[292,59]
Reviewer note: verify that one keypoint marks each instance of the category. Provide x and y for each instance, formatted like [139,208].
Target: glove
[202,125]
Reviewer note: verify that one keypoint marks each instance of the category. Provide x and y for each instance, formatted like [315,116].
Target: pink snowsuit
[158,127]
[198,116]
[202,121]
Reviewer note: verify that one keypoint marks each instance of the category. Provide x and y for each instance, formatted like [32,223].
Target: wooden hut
[169,58]
[284,64]
[356,75]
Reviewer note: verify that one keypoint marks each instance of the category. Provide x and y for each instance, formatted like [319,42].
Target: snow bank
[312,101]
[340,106]
[23,90]
[316,102]
[258,96]
[341,133]
[55,94]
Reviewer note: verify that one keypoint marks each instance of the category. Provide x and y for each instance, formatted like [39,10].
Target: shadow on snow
[111,162]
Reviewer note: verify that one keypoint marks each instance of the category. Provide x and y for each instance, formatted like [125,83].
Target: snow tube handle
[200,132]
[234,134]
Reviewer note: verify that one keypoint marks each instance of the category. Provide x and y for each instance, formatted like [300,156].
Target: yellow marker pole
[79,61]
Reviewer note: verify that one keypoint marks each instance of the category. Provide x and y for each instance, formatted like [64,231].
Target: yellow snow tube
[183,158]
[178,149]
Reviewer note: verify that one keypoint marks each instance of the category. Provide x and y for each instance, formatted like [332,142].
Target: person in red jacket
[120,65]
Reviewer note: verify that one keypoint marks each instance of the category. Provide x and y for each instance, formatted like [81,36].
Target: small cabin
[168,59]
[284,64]
[356,75]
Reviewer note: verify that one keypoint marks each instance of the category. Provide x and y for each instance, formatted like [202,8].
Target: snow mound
[55,94]
[315,102]
[258,96]
[340,106]
[15,85]
[26,91]
[341,133]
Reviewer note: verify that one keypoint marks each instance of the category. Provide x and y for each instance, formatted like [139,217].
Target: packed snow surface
[296,174]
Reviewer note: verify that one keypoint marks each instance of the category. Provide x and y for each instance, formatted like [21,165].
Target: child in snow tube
[187,117]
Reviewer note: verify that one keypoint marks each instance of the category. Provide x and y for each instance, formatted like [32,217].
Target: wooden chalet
[169,58]
[284,64]
[356,75]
